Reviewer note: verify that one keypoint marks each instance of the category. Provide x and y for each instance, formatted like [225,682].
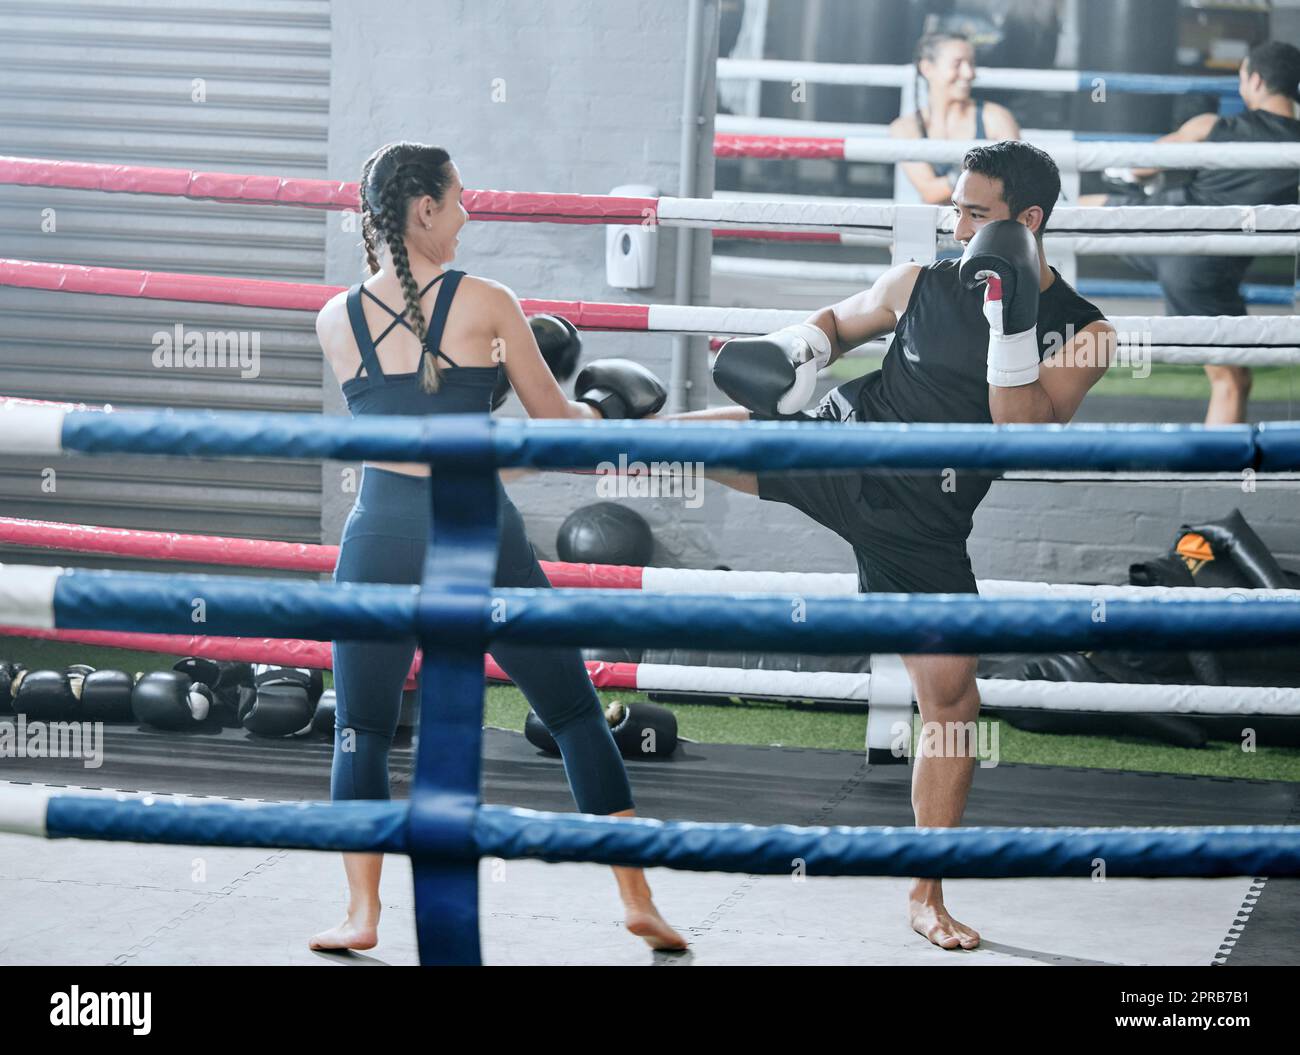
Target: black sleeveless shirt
[1248,186]
[936,371]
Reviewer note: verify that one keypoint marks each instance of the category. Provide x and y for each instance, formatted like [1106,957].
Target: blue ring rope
[446,828]
[443,441]
[1158,83]
[502,831]
[452,616]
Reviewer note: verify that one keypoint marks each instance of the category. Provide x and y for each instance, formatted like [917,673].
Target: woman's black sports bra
[463,389]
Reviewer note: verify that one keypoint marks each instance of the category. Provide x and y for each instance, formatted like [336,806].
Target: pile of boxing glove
[264,699]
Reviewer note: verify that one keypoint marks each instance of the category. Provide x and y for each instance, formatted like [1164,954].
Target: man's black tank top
[1248,186]
[936,371]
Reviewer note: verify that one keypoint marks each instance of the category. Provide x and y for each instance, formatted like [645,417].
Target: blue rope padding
[1114,137]
[362,826]
[500,831]
[1157,83]
[773,446]
[443,440]
[237,606]
[242,434]
[1279,445]
[973,853]
[1253,293]
[612,618]
[867,623]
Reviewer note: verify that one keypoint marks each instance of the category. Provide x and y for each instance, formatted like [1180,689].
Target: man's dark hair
[1278,64]
[1029,176]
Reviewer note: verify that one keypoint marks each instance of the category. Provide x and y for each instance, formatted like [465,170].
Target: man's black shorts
[1192,284]
[893,557]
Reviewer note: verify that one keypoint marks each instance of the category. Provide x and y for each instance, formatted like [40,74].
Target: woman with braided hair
[443,334]
[945,64]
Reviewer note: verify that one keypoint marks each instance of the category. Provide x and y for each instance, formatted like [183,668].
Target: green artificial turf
[803,726]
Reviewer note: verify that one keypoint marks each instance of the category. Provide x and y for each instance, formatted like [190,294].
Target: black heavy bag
[1081,667]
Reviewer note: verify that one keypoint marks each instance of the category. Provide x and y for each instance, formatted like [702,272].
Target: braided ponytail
[368,232]
[391,178]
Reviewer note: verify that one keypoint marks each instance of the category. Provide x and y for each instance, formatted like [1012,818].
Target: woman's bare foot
[932,921]
[643,919]
[355,932]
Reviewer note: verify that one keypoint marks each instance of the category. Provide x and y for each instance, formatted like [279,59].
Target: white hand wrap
[815,348]
[1013,357]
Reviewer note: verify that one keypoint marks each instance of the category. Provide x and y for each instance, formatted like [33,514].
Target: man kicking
[997,336]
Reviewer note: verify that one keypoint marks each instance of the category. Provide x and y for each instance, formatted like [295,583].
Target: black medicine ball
[605,533]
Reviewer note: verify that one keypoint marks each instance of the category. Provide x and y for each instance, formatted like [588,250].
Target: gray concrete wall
[1076,531]
[566,95]
[1092,531]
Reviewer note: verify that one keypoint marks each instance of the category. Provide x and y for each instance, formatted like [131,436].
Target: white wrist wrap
[1013,359]
[805,372]
[816,339]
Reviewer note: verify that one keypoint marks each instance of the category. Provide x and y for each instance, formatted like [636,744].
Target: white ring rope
[832,215]
[1250,332]
[839,687]
[842,584]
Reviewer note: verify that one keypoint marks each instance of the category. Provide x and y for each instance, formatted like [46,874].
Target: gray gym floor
[85,902]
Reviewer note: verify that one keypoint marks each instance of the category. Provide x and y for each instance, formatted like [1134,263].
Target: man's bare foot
[643,919]
[931,921]
[352,933]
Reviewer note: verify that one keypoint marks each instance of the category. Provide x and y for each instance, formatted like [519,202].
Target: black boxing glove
[106,696]
[231,684]
[558,341]
[775,375]
[284,702]
[1004,256]
[620,388]
[168,699]
[47,696]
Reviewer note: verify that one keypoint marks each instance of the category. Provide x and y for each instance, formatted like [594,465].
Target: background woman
[945,62]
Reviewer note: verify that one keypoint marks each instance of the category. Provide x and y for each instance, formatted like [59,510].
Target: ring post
[459,571]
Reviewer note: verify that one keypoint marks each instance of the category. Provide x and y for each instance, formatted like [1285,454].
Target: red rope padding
[267,293]
[773,147]
[165,285]
[178,183]
[603,675]
[593,315]
[516,206]
[542,207]
[760,235]
[167,545]
[285,652]
[482,205]
[254,553]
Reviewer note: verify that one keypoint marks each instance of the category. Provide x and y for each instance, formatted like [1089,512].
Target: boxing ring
[447,828]
[456,613]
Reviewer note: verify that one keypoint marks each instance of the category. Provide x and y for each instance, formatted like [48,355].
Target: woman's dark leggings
[384,540]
